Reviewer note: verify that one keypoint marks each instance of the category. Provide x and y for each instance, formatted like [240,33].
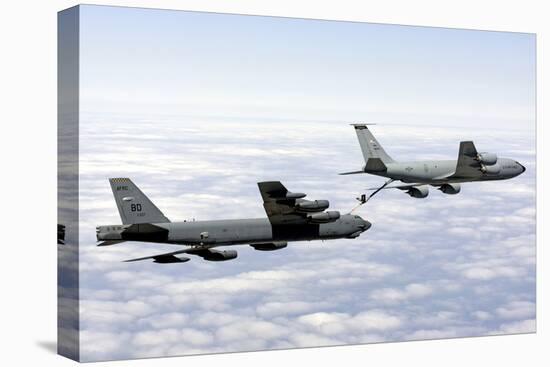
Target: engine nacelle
[418,192]
[271,246]
[487,159]
[491,170]
[213,255]
[294,195]
[170,259]
[450,189]
[325,217]
[308,206]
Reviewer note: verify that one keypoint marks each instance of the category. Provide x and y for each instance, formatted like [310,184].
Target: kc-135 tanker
[446,175]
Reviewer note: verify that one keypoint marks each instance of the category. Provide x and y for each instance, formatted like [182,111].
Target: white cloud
[485,273]
[519,327]
[167,320]
[196,337]
[517,310]
[95,345]
[151,338]
[271,309]
[250,329]
[482,315]
[340,323]
[445,266]
[393,295]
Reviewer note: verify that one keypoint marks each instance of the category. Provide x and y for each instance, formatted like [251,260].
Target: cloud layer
[446,266]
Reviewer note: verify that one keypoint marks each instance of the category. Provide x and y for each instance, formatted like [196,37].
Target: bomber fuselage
[233,232]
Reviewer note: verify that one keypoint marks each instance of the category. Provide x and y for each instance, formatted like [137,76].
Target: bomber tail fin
[370,147]
[133,206]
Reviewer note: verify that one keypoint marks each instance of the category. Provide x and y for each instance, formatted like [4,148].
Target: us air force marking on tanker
[290,217]
[447,175]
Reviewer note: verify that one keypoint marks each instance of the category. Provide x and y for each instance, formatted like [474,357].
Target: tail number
[135,207]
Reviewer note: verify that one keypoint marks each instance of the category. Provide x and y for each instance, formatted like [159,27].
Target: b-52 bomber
[290,217]
[446,175]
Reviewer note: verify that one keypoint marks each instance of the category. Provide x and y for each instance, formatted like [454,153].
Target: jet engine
[450,189]
[270,246]
[294,195]
[487,159]
[418,192]
[306,206]
[325,217]
[491,170]
[213,255]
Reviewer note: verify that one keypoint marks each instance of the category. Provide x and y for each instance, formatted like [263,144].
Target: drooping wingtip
[131,260]
[351,173]
[161,259]
[110,243]
[138,259]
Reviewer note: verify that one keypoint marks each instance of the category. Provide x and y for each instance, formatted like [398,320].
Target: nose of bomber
[364,224]
[522,168]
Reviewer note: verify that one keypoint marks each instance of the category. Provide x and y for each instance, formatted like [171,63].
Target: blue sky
[245,65]
[197,108]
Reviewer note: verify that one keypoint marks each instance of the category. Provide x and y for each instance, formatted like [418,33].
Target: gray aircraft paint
[469,166]
[438,172]
[257,230]
[284,223]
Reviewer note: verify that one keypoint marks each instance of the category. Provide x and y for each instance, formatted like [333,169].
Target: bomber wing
[205,252]
[280,204]
[208,253]
[467,166]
